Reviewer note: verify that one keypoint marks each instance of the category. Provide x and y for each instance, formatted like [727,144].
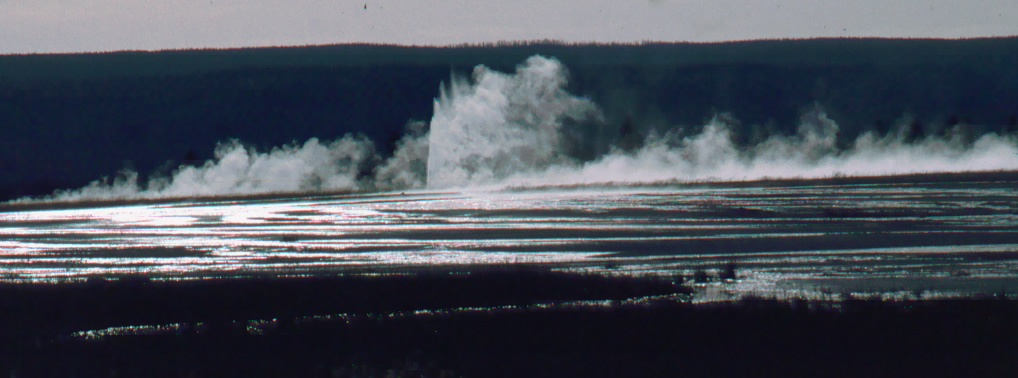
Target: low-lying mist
[495,130]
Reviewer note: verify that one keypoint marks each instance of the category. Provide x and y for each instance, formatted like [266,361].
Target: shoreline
[499,322]
[989,176]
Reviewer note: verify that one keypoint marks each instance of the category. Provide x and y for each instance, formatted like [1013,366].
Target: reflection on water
[802,240]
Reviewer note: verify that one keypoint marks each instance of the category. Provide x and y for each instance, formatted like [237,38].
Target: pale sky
[103,25]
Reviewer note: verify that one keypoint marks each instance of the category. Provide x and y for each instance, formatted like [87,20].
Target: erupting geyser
[502,125]
[509,129]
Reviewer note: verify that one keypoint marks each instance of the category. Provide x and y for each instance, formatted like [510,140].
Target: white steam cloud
[711,155]
[501,130]
[506,130]
[502,125]
[408,166]
[236,169]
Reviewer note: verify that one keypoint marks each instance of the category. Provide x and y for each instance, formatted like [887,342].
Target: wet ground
[918,236]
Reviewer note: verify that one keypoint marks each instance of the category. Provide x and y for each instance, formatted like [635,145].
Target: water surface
[896,238]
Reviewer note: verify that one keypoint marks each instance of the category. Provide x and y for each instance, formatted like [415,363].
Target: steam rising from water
[236,169]
[507,130]
[500,129]
[502,125]
[712,155]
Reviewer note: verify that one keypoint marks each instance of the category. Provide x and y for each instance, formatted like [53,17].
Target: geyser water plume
[517,129]
[502,125]
[507,130]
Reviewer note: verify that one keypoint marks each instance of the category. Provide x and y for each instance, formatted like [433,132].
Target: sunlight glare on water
[775,234]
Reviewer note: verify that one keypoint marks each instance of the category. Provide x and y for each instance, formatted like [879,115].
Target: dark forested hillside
[67,119]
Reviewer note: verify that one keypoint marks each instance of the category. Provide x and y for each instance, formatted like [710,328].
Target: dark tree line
[67,119]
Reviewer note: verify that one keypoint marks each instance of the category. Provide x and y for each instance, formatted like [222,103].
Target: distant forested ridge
[67,119]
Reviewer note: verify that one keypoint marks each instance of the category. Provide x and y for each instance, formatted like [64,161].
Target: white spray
[501,129]
[502,125]
[236,169]
[505,130]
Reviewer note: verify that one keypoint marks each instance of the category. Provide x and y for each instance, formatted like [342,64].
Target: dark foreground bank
[495,323]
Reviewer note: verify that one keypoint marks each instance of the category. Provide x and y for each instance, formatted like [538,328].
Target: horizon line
[510,43]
